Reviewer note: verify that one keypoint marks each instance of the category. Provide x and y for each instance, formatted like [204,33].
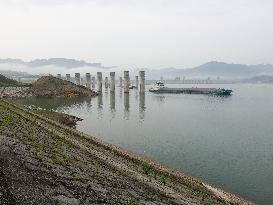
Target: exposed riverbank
[62,118]
[43,162]
[46,86]
[15,92]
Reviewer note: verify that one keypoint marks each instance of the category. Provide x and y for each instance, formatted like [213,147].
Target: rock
[15,92]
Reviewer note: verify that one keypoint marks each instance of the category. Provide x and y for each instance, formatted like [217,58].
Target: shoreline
[175,185]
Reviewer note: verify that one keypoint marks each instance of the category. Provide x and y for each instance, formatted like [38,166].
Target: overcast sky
[139,33]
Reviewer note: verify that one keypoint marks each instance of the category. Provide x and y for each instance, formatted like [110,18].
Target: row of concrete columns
[112,81]
[88,80]
[99,82]
[125,82]
[68,78]
[142,80]
[77,78]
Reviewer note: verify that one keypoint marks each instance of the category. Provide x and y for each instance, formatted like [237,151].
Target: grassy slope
[77,161]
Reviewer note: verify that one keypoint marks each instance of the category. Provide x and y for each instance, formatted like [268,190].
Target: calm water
[227,141]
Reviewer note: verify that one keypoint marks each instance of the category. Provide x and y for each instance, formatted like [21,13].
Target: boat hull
[205,91]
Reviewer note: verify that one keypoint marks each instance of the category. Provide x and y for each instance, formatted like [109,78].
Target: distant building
[177,78]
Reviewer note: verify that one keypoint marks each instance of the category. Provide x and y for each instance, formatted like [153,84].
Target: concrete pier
[142,81]
[77,78]
[120,82]
[59,76]
[136,82]
[106,82]
[81,83]
[93,83]
[99,82]
[112,81]
[88,80]
[126,81]
[68,78]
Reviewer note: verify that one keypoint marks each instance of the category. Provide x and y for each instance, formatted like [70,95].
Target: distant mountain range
[260,79]
[59,62]
[214,69]
[14,74]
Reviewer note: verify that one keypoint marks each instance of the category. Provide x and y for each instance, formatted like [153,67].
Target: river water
[226,141]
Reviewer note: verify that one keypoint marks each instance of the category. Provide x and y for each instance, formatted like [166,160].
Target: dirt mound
[49,86]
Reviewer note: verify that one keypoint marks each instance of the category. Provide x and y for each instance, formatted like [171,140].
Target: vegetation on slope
[6,82]
[43,162]
[40,166]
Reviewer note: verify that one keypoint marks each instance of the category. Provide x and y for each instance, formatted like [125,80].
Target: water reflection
[100,102]
[113,101]
[142,107]
[225,125]
[126,106]
[159,98]
[89,105]
[136,96]
[137,102]
[54,103]
[100,105]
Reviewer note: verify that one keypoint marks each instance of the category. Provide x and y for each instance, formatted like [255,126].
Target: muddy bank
[62,118]
[43,162]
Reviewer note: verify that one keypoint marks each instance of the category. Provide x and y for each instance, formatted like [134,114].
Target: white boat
[157,86]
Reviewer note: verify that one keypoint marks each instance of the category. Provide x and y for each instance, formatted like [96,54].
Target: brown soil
[49,86]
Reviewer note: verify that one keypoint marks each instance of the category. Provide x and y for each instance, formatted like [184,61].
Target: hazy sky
[139,33]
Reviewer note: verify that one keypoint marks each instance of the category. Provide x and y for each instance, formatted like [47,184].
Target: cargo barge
[159,87]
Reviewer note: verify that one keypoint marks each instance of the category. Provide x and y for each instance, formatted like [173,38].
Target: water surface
[227,141]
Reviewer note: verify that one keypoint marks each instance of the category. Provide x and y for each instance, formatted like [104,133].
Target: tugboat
[159,87]
[132,87]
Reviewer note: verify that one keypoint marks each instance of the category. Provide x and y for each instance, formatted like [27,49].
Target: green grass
[47,113]
[131,201]
[38,151]
[61,160]
[8,120]
[76,176]
[146,168]
[163,179]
